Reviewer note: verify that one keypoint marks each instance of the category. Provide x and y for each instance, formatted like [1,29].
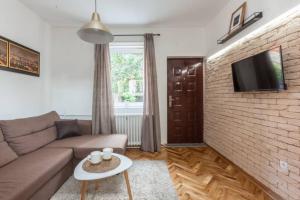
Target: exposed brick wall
[257,129]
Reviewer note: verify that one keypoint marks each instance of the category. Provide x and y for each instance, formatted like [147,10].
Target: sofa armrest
[85,127]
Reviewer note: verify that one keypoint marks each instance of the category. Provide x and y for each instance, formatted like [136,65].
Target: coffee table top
[82,175]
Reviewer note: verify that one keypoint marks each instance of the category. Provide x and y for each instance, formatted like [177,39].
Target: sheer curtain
[151,122]
[103,119]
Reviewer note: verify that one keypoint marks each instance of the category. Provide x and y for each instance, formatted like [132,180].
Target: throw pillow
[67,128]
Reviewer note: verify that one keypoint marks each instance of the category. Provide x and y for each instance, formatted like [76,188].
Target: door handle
[170,101]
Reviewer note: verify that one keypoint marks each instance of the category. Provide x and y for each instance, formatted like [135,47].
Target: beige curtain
[151,124]
[103,119]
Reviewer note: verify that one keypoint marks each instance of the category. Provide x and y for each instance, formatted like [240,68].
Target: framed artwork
[3,53]
[237,18]
[19,58]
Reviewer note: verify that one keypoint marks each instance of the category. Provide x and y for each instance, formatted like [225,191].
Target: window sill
[129,109]
[129,105]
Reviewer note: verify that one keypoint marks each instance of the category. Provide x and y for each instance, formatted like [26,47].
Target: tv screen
[260,72]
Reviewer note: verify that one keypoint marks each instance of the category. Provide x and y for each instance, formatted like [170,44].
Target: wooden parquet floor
[202,174]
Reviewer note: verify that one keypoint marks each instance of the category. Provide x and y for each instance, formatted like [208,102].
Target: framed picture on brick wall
[237,18]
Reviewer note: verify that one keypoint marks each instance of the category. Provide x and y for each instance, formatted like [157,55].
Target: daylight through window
[127,62]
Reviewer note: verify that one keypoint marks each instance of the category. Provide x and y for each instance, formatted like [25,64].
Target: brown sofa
[34,164]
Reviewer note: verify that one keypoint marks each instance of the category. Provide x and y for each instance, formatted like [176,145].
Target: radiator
[131,125]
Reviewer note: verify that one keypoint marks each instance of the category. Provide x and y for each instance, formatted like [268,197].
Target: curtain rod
[121,35]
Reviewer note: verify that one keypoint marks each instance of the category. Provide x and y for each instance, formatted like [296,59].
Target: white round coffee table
[86,177]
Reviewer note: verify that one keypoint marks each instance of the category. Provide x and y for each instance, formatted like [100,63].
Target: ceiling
[161,13]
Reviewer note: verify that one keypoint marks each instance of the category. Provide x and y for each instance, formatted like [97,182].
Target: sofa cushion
[6,153]
[85,144]
[29,134]
[67,128]
[23,177]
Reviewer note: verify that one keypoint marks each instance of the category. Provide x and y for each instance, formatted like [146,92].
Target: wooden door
[185,100]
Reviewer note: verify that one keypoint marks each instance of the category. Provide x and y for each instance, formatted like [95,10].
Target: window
[127,62]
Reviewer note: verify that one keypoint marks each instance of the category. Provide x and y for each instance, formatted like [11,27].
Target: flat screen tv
[261,72]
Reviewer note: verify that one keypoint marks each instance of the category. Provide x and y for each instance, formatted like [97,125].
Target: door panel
[185,100]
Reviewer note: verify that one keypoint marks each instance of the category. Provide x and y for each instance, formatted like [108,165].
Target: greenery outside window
[127,62]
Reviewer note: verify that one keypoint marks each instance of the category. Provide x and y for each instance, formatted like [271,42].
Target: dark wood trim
[185,57]
[172,58]
[267,190]
[7,68]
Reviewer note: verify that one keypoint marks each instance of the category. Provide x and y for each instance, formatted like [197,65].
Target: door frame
[203,87]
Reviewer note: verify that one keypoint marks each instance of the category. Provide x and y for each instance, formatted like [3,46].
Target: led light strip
[273,23]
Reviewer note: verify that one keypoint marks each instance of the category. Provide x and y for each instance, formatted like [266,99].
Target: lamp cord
[95,5]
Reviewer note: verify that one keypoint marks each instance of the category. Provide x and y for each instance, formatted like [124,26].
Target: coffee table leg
[97,184]
[83,190]
[128,184]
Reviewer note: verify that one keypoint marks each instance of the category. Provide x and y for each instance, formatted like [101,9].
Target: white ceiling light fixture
[95,31]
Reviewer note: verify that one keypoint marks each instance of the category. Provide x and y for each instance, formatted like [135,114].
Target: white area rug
[149,180]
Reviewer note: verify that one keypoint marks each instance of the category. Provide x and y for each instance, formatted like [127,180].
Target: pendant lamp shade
[95,31]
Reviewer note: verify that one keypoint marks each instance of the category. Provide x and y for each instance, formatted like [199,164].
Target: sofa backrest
[6,153]
[29,134]
[85,127]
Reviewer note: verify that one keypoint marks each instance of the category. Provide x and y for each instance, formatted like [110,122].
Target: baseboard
[133,147]
[266,189]
[172,145]
[185,145]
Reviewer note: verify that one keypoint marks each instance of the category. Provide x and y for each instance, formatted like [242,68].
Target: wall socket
[284,166]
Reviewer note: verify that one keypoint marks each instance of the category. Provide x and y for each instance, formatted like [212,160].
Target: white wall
[23,95]
[72,66]
[72,73]
[220,24]
[66,78]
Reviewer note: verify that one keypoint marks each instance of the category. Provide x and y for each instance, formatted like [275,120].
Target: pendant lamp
[95,31]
